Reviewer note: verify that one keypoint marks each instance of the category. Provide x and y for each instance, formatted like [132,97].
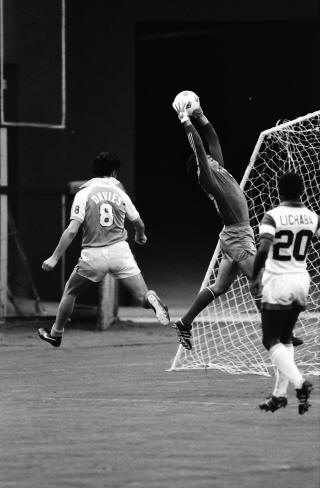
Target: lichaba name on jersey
[291,227]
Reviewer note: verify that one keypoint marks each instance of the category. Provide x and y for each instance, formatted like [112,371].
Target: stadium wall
[101,111]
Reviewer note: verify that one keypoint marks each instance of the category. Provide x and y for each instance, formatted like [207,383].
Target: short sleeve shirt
[102,206]
[292,226]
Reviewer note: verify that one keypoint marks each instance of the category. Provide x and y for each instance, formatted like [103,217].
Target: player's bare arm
[65,240]
[259,262]
[139,227]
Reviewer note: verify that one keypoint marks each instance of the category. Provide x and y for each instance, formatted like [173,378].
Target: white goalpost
[226,335]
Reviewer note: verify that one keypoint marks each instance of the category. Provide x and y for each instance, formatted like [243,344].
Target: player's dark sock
[202,300]
[303,395]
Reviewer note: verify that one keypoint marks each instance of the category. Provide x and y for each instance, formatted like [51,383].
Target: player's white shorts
[285,291]
[117,259]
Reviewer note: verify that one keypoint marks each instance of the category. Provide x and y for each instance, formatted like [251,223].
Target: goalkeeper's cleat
[303,395]
[45,335]
[159,308]
[273,403]
[184,333]
[296,341]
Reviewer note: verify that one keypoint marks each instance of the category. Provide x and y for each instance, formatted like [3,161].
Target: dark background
[252,63]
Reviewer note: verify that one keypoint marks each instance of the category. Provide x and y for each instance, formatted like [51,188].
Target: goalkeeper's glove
[180,108]
[197,113]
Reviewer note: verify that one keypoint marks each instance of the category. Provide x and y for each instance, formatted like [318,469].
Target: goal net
[226,335]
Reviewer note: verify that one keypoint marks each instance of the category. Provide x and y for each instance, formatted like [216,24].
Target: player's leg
[282,382]
[303,393]
[123,266]
[273,323]
[91,267]
[279,315]
[76,285]
[246,266]
[280,356]
[146,298]
[226,275]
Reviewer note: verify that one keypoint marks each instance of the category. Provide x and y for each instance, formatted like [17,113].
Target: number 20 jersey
[292,226]
[102,207]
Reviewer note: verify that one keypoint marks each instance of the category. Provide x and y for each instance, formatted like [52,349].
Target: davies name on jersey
[106,196]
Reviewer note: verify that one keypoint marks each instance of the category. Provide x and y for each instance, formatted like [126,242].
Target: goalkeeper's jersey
[102,206]
[291,227]
[216,181]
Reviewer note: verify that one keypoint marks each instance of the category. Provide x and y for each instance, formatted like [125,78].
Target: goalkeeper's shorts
[116,259]
[285,291]
[237,242]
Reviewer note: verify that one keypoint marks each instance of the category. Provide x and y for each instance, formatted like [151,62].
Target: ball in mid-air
[190,98]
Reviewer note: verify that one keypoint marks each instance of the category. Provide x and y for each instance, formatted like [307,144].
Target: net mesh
[226,335]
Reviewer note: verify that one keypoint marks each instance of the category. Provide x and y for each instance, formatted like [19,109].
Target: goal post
[3,224]
[226,335]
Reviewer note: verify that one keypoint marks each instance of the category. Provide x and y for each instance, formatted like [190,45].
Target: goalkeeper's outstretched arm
[210,135]
[205,173]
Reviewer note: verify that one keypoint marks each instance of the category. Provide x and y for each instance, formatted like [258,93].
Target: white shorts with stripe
[117,259]
[285,291]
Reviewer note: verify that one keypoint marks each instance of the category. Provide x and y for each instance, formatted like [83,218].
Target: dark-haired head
[106,164]
[290,186]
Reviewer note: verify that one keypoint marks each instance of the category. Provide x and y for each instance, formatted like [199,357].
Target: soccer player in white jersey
[285,234]
[101,207]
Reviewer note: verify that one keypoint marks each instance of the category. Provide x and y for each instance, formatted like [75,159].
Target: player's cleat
[296,341]
[45,335]
[303,395]
[273,403]
[184,333]
[159,308]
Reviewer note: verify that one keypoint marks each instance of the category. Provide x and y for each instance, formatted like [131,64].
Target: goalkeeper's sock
[283,360]
[282,382]
[203,299]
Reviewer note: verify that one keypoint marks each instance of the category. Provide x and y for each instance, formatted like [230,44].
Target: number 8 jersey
[291,227]
[102,206]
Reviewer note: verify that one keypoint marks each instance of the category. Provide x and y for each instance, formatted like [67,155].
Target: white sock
[55,332]
[282,382]
[283,360]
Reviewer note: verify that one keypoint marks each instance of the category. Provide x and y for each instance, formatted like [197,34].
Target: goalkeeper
[236,239]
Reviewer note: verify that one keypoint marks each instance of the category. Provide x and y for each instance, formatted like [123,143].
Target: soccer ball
[190,98]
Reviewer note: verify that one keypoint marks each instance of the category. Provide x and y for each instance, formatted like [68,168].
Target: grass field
[102,411]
